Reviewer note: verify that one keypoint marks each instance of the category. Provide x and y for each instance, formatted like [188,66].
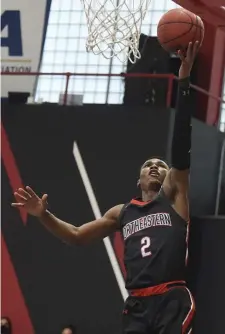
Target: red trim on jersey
[156,289]
[119,249]
[190,315]
[138,202]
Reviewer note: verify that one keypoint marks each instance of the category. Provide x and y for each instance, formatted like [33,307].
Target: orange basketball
[177,28]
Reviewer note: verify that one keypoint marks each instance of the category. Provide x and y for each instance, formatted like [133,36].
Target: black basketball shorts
[170,312]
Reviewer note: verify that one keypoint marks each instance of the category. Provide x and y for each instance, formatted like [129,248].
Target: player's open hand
[187,59]
[30,201]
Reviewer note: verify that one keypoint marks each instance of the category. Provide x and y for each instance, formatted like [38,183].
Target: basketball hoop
[114,27]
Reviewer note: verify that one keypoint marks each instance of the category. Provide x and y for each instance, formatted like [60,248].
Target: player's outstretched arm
[70,234]
[177,180]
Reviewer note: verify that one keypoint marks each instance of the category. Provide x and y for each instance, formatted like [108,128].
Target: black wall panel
[77,284]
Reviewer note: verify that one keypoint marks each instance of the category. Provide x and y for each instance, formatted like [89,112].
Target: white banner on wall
[22,30]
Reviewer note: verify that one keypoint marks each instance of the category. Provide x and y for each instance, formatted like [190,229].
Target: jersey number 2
[145,242]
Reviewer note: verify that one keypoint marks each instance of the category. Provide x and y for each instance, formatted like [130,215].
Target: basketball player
[154,229]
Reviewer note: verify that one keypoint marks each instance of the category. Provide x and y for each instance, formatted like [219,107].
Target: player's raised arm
[70,234]
[177,180]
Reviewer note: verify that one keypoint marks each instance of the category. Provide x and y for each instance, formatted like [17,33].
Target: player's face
[153,172]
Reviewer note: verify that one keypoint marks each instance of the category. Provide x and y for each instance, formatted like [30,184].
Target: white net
[114,27]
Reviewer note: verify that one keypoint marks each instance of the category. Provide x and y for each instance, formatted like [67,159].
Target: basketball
[177,28]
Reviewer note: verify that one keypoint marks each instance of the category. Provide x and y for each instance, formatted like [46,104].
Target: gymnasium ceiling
[212,11]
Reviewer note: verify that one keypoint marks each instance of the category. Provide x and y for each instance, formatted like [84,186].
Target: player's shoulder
[118,211]
[115,211]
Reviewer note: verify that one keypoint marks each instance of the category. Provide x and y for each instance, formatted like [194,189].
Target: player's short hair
[155,157]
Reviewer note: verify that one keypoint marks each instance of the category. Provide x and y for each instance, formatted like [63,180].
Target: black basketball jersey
[155,242]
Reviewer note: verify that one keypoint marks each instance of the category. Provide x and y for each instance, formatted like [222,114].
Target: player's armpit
[176,188]
[86,233]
